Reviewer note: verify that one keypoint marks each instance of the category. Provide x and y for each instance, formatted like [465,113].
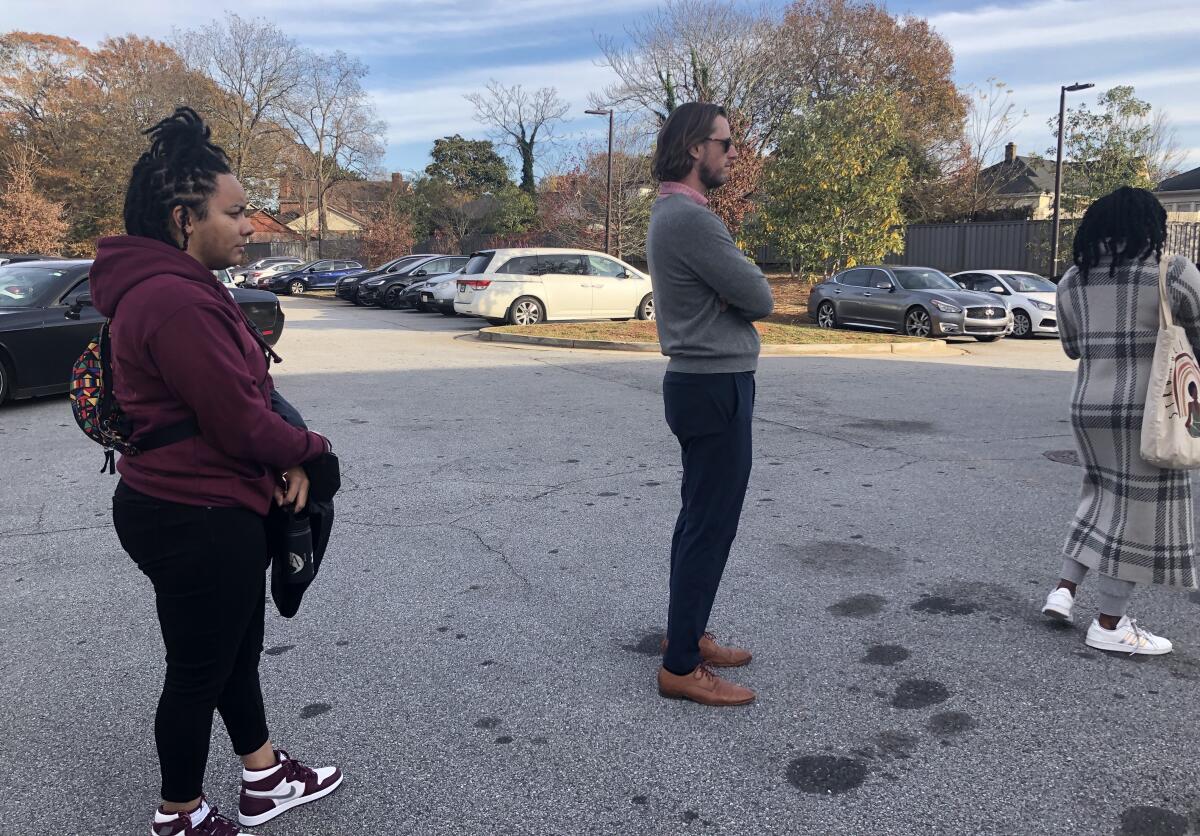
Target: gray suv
[917,301]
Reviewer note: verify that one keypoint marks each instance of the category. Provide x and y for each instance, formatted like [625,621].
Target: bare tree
[990,120]
[699,50]
[517,116]
[329,113]
[256,67]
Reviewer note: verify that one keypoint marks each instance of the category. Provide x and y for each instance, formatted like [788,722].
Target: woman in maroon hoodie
[191,513]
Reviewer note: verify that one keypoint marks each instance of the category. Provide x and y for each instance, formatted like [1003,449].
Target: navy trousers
[711,416]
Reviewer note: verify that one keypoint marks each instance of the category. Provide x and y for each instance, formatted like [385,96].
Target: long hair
[1129,224]
[688,125]
[180,169]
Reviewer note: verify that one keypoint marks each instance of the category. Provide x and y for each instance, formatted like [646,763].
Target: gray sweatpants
[1114,592]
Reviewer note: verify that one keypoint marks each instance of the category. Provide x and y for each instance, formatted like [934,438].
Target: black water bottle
[299,548]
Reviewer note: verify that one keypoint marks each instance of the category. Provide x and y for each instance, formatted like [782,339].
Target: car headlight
[1041,306]
[944,307]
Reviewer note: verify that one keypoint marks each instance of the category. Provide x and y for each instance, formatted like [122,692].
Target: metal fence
[1009,245]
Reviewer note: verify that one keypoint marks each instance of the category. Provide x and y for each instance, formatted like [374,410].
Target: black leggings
[208,570]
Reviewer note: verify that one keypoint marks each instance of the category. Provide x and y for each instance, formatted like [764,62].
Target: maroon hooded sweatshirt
[182,349]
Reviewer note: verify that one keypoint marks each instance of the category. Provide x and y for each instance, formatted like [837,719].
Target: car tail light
[474,284]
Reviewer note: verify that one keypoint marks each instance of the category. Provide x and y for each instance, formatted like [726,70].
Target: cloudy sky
[425,54]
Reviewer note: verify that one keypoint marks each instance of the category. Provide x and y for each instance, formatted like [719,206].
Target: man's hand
[293,489]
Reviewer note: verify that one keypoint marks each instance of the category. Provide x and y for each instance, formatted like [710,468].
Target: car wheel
[5,381]
[296,288]
[645,310]
[391,298]
[988,339]
[917,323]
[826,315]
[1022,326]
[526,311]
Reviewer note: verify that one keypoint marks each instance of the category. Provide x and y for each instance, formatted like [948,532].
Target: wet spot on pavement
[690,815]
[504,738]
[826,774]
[460,635]
[858,606]
[487,663]
[314,709]
[919,693]
[443,629]
[571,461]
[487,723]
[889,425]
[1063,456]
[943,605]
[651,484]
[359,421]
[1152,821]
[607,493]
[278,650]
[650,644]
[950,723]
[638,799]
[885,654]
[475,586]
[841,557]
[342,643]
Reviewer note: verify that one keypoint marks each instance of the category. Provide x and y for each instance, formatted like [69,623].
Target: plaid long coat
[1134,520]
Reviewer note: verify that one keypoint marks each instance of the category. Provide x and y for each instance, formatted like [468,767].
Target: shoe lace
[706,671]
[709,636]
[1139,635]
[294,770]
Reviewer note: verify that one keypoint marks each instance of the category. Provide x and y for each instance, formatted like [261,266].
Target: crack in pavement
[504,558]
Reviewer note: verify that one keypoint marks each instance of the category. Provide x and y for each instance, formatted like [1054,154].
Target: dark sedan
[47,320]
[315,275]
[391,291]
[347,286]
[917,301]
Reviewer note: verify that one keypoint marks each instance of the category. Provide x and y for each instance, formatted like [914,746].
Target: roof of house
[264,221]
[1025,175]
[1186,182]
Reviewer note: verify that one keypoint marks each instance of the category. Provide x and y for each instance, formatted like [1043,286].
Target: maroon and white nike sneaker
[203,821]
[269,792]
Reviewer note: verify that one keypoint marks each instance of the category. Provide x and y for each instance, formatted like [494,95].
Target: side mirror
[421,273]
[996,289]
[883,284]
[83,300]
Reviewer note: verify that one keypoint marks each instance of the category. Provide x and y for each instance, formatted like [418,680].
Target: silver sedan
[917,301]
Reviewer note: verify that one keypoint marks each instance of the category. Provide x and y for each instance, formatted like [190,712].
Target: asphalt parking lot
[479,651]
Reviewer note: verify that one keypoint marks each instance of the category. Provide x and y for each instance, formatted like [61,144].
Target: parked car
[528,286]
[16,258]
[347,286]
[240,274]
[47,320]
[410,296]
[1030,297]
[260,276]
[388,291]
[315,275]
[439,292]
[917,301]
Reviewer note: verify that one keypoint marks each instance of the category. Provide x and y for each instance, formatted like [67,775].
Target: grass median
[635,331]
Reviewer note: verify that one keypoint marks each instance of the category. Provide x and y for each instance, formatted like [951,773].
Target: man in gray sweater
[707,296]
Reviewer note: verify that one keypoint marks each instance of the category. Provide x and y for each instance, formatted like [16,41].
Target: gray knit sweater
[694,265]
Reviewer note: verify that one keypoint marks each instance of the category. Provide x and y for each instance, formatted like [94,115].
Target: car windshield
[911,279]
[1029,283]
[22,286]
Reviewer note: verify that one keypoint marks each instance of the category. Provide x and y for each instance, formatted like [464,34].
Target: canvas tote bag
[1171,420]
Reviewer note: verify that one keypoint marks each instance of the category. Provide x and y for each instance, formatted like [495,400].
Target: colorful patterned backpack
[99,415]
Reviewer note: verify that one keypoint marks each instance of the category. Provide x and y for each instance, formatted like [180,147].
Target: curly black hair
[1128,224]
[180,169]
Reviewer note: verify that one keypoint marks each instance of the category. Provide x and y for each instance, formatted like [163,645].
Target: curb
[931,347]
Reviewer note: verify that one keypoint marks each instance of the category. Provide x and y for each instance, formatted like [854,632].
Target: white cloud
[423,113]
[1065,25]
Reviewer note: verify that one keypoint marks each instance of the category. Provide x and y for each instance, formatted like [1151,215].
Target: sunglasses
[726,143]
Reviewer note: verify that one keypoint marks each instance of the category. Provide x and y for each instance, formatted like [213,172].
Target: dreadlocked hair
[1128,224]
[180,169]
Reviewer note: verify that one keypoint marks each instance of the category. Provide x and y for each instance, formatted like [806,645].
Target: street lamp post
[608,198]
[1062,117]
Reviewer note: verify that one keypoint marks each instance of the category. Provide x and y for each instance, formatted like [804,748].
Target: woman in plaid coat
[1134,523]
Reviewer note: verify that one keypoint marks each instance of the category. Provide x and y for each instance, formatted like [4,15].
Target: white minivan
[1030,297]
[528,286]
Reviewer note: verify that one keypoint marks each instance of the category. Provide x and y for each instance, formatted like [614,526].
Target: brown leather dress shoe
[702,686]
[716,656]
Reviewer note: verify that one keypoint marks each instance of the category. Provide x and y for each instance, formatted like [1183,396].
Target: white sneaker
[1127,638]
[1059,604]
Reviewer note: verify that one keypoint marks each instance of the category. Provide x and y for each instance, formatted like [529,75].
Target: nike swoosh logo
[292,792]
